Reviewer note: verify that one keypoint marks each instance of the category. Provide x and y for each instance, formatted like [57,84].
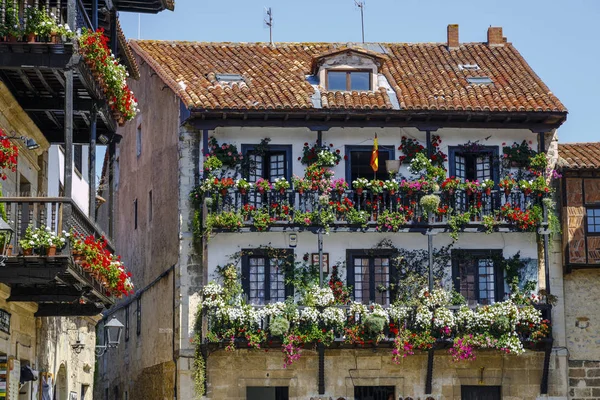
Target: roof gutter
[326,118]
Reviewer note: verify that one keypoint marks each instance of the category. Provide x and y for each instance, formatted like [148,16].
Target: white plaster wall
[387,138]
[223,245]
[81,187]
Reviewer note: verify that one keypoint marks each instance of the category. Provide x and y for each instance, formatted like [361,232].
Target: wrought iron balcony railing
[355,208]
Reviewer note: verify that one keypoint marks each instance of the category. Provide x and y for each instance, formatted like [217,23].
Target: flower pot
[51,251]
[223,192]
[31,38]
[506,191]
[392,192]
[12,39]
[451,191]
[410,192]
[242,191]
[54,38]
[469,192]
[261,190]
[27,252]
[8,250]
[301,191]
[282,191]
[488,191]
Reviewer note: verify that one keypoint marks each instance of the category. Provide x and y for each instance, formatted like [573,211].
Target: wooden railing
[284,206]
[57,213]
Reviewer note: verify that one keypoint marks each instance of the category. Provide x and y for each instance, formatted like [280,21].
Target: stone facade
[229,373]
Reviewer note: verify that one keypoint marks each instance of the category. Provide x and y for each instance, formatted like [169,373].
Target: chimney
[495,36]
[453,36]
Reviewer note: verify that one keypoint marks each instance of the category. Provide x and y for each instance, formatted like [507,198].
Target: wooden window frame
[138,316]
[285,149]
[493,151]
[249,253]
[349,80]
[127,324]
[478,254]
[381,253]
[587,231]
[348,149]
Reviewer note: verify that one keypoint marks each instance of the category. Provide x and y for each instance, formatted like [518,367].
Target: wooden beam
[53,104]
[44,294]
[27,82]
[44,82]
[35,60]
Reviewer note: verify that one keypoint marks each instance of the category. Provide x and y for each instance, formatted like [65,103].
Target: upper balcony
[63,280]
[404,210]
[36,62]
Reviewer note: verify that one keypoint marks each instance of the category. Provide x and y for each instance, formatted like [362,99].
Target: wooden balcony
[59,285]
[284,208]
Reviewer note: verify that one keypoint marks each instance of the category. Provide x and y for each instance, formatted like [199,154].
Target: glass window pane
[360,81]
[336,80]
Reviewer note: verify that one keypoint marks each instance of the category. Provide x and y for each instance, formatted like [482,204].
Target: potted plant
[507,184]
[300,184]
[262,185]
[212,163]
[430,204]
[450,185]
[360,184]
[487,185]
[281,184]
[223,185]
[518,154]
[391,185]
[376,186]
[472,187]
[243,185]
[339,185]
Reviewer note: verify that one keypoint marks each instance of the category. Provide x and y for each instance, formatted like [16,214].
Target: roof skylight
[229,78]
[469,67]
[480,80]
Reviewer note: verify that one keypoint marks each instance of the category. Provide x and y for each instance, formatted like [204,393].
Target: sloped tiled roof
[422,76]
[579,155]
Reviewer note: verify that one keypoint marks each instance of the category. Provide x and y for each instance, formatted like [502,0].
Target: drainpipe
[544,229]
[173,341]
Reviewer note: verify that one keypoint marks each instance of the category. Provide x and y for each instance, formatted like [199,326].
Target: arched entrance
[61,392]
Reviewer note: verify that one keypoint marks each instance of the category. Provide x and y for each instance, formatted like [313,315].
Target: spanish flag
[375,155]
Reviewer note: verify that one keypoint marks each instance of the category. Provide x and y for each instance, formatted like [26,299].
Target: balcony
[58,283]
[356,210]
[36,71]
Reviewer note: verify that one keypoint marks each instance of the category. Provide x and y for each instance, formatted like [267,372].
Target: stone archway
[61,392]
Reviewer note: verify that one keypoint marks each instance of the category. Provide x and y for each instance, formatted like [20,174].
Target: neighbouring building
[53,108]
[214,113]
[580,195]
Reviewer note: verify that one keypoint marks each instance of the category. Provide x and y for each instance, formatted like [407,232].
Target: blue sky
[559,39]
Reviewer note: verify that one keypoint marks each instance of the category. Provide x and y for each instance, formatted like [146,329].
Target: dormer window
[348,80]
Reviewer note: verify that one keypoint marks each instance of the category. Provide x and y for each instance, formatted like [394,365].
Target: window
[478,276]
[138,316]
[267,393]
[116,393]
[77,157]
[358,164]
[263,277]
[471,165]
[138,140]
[127,323]
[593,220]
[374,393]
[480,80]
[370,276]
[150,205]
[348,80]
[275,162]
[135,209]
[481,392]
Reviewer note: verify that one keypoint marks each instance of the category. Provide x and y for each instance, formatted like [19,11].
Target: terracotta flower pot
[51,251]
[359,191]
[223,192]
[261,190]
[242,191]
[488,191]
[27,252]
[31,38]
[282,191]
[8,250]
[301,191]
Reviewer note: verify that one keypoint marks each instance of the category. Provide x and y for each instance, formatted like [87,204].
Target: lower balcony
[53,278]
[385,211]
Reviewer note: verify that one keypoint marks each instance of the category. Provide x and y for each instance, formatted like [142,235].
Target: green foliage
[229,220]
[279,326]
[262,220]
[356,217]
[456,223]
[430,204]
[374,323]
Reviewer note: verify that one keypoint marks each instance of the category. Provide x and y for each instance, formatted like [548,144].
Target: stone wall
[584,379]
[229,373]
[582,304]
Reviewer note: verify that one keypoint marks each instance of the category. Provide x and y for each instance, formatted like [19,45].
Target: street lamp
[6,232]
[112,336]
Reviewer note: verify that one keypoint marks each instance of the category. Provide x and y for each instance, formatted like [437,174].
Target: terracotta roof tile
[424,76]
[579,155]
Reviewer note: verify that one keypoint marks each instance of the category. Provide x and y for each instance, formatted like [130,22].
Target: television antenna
[361,5]
[268,22]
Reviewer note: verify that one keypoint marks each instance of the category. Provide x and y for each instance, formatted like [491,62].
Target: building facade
[53,109]
[580,163]
[310,114]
